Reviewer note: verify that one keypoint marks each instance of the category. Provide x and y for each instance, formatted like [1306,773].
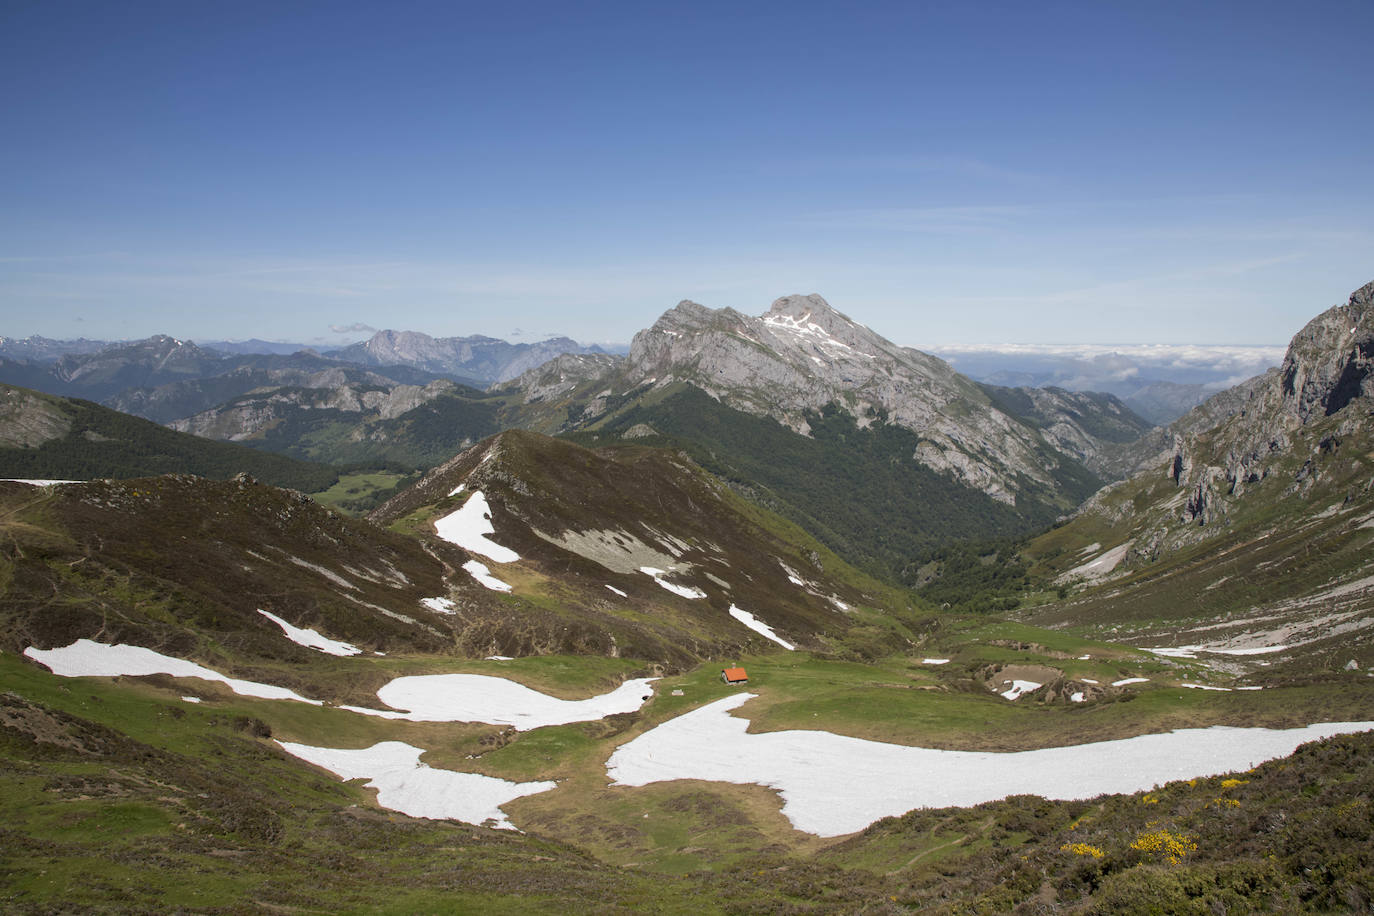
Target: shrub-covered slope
[586,523]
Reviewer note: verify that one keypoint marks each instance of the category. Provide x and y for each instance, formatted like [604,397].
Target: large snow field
[469,526]
[87,658]
[496,701]
[758,626]
[406,785]
[312,639]
[832,785]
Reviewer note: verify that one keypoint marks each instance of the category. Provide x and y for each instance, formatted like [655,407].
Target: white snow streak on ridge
[686,591]
[440,605]
[468,528]
[617,591]
[312,639]
[38,483]
[86,658]
[758,626]
[406,785]
[483,575]
[832,785]
[496,701]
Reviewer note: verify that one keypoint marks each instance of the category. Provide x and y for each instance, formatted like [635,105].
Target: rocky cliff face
[28,419]
[1278,426]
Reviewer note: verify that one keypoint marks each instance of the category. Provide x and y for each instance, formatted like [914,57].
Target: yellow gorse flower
[1081,849]
[1170,846]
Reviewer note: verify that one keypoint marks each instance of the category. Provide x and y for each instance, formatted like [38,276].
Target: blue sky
[943,172]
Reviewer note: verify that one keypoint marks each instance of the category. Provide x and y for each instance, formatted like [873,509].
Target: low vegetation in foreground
[120,795]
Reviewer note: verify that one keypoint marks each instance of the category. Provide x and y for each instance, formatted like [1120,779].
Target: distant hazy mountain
[45,350]
[1161,382]
[485,359]
[253,345]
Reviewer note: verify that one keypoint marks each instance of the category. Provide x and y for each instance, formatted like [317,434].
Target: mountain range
[736,492]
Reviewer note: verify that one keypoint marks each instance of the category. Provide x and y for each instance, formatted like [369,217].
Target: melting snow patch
[1180,652]
[617,591]
[1088,680]
[312,639]
[441,605]
[935,661]
[38,483]
[497,701]
[686,591]
[191,699]
[832,785]
[758,626]
[499,658]
[86,658]
[1084,658]
[1129,680]
[1077,697]
[1019,689]
[483,575]
[456,490]
[1205,687]
[469,526]
[406,785]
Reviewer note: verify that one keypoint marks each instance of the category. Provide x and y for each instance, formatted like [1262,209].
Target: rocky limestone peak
[1330,362]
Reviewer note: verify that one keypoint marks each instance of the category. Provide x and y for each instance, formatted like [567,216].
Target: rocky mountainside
[802,357]
[184,399]
[484,359]
[1258,508]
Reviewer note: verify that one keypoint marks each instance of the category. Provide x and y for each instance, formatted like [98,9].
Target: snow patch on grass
[479,571]
[406,785]
[1018,689]
[832,785]
[87,658]
[469,526]
[617,591]
[1129,680]
[758,626]
[496,701]
[312,639]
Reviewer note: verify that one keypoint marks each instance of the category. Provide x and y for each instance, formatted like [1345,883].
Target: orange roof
[734,674]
